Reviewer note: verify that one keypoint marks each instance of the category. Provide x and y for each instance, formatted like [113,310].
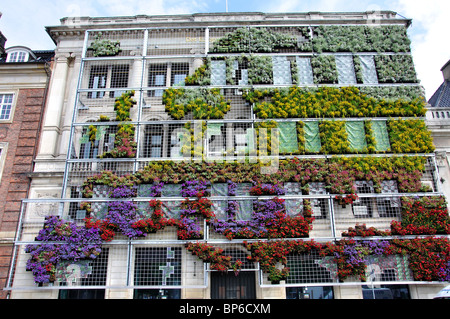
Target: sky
[24,21]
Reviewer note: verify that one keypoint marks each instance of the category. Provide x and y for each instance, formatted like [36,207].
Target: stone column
[54,109]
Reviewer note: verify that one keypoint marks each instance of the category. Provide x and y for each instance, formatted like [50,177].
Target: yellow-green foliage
[333,137]
[410,136]
[328,102]
[122,106]
[265,137]
[195,147]
[369,164]
[204,103]
[201,76]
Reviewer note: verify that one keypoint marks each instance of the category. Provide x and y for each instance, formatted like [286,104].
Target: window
[17,56]
[104,141]
[3,149]
[104,76]
[153,143]
[6,105]
[309,293]
[158,73]
[157,77]
[363,207]
[179,71]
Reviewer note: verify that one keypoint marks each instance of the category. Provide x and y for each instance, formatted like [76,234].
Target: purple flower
[195,188]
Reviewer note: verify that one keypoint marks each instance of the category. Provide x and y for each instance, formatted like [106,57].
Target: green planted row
[399,136]
[329,102]
[325,38]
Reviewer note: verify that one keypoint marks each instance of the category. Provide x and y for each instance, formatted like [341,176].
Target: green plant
[104,47]
[330,102]
[257,40]
[260,69]
[410,136]
[395,69]
[201,76]
[124,144]
[334,38]
[358,69]
[204,103]
[333,137]
[324,69]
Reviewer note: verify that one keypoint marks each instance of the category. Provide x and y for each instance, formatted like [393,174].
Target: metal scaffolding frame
[148,64]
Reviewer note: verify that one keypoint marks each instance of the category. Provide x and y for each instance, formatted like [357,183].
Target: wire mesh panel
[84,273]
[93,141]
[68,273]
[157,266]
[393,268]
[100,75]
[430,178]
[239,108]
[79,171]
[181,41]
[247,39]
[107,43]
[372,211]
[310,269]
[229,140]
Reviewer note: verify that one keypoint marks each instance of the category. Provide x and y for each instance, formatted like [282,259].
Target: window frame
[18,56]
[108,77]
[3,154]
[14,95]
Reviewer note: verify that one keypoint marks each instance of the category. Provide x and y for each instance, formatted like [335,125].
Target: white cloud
[27,25]
[429,36]
[431,50]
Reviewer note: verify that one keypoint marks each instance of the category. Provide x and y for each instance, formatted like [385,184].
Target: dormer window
[17,56]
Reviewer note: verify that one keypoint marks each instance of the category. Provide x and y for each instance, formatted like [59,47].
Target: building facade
[233,156]
[24,76]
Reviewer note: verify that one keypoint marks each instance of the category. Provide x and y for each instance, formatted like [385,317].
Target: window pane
[6,106]
[21,57]
[13,57]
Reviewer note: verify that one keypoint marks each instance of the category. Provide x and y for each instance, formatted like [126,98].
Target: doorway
[230,286]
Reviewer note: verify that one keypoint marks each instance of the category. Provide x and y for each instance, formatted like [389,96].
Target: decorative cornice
[76,26]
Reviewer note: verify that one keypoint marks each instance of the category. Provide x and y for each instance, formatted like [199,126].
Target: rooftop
[74,25]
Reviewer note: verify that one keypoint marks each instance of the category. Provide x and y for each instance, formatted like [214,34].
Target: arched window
[18,54]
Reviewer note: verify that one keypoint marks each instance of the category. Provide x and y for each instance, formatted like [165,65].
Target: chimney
[446,71]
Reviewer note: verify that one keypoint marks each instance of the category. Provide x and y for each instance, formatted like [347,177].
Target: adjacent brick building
[24,78]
